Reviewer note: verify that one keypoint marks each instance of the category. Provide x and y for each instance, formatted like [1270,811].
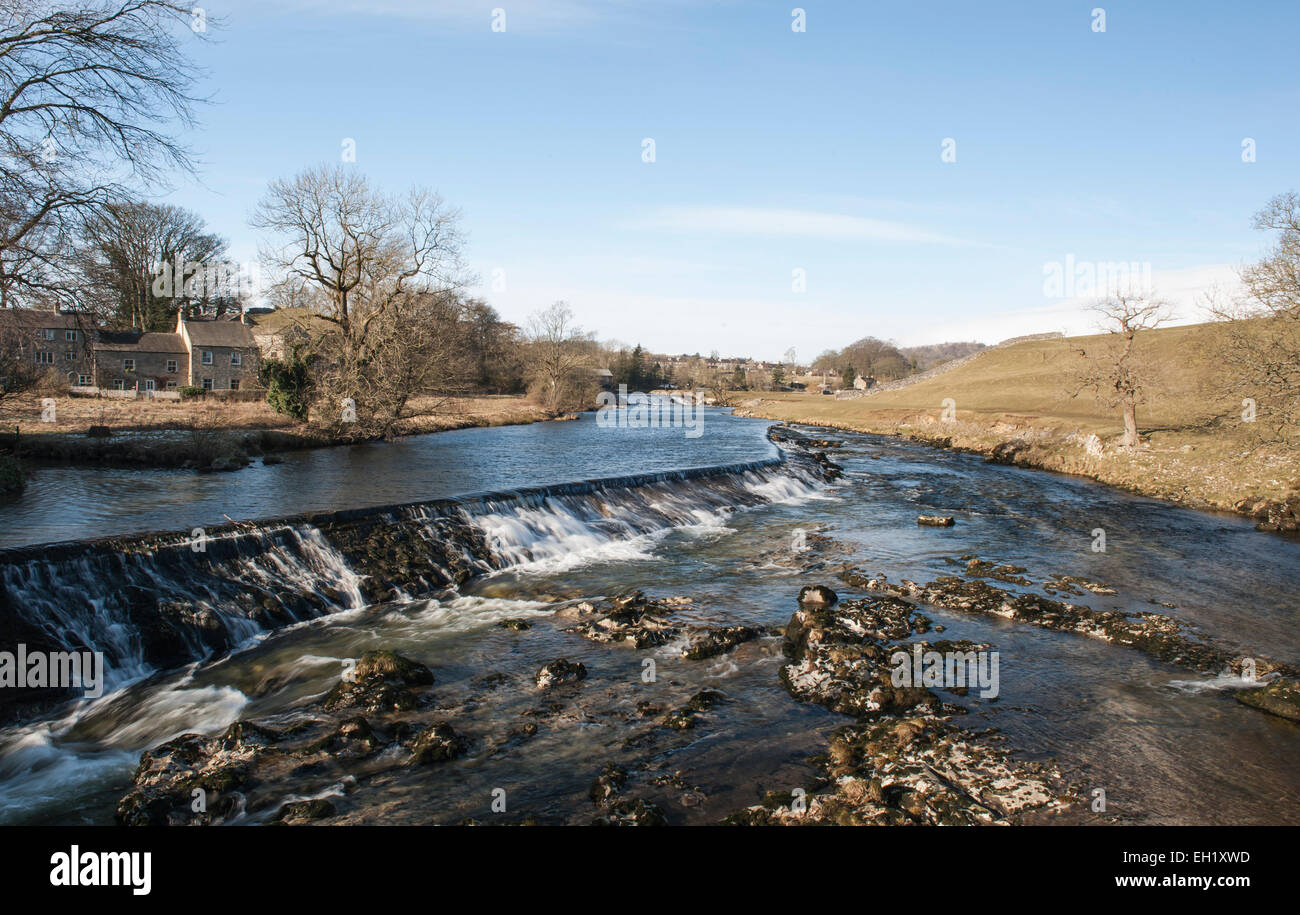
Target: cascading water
[160,601]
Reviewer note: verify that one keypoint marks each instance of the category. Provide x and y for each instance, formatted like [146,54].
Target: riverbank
[211,434]
[1012,406]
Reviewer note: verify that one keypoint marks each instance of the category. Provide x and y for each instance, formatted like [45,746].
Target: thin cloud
[1184,289]
[779,223]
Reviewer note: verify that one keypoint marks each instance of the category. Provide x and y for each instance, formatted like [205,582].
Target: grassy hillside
[1196,448]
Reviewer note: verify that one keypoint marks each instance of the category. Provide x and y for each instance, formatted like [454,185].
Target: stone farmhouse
[212,354]
[58,341]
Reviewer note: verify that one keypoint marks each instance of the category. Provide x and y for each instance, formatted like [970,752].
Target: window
[83,381]
[171,385]
[171,366]
[119,384]
[236,358]
[44,357]
[49,333]
[149,384]
[207,357]
[128,365]
[234,384]
[70,336]
[207,384]
[69,356]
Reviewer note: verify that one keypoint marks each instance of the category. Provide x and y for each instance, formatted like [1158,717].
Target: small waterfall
[164,600]
[158,601]
[537,525]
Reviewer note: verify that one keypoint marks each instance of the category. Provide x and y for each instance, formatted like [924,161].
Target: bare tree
[495,347]
[90,95]
[1261,343]
[18,370]
[419,349]
[361,258]
[868,356]
[1113,367]
[127,266]
[559,355]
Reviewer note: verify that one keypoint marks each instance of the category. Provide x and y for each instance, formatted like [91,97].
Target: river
[1167,745]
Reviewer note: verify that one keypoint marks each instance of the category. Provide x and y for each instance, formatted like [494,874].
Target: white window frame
[206,357]
[70,335]
[84,381]
[128,365]
[237,358]
[207,385]
[49,333]
[44,357]
[171,366]
[234,384]
[119,384]
[150,384]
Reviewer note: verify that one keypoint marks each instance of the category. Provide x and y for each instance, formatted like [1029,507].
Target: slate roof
[39,318]
[134,341]
[220,333]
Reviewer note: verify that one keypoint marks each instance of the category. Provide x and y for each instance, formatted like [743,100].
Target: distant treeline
[927,357]
[884,361]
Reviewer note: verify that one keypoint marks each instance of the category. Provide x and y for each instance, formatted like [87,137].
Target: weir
[156,601]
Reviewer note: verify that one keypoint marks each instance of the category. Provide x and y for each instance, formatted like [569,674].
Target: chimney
[180,319]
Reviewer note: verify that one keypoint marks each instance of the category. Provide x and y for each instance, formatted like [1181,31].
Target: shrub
[287,382]
[51,383]
[189,392]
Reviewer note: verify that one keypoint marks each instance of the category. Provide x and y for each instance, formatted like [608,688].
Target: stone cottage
[142,362]
[216,355]
[55,340]
[222,354]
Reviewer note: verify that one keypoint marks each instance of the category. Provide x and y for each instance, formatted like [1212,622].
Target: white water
[96,598]
[86,600]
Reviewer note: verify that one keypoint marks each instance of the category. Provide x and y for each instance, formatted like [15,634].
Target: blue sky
[777,151]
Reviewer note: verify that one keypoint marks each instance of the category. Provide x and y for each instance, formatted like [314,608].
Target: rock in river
[380,681]
[1281,698]
[560,671]
[935,520]
[817,596]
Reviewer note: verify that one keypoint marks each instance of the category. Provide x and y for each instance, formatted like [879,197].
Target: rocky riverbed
[904,758]
[386,718]
[906,754]
[1155,634]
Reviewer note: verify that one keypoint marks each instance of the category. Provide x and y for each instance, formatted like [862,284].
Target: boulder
[380,681]
[305,811]
[817,596]
[708,643]
[1281,698]
[560,671]
[935,520]
[633,812]
[437,743]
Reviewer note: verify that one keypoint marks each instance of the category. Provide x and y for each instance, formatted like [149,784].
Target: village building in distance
[206,353]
